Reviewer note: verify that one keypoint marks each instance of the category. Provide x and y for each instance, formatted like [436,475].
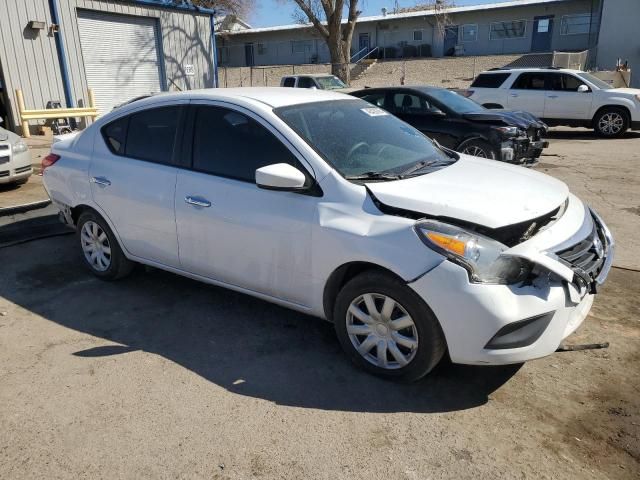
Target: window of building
[151,134]
[240,146]
[469,33]
[504,30]
[530,81]
[262,49]
[300,46]
[490,80]
[575,24]
[543,25]
[417,35]
[223,55]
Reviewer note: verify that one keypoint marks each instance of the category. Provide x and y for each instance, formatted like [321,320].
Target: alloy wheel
[95,246]
[382,331]
[611,123]
[475,151]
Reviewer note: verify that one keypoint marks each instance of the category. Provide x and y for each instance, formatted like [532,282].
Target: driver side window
[230,144]
[409,103]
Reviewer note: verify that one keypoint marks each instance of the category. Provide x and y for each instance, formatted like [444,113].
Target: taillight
[466,93]
[49,160]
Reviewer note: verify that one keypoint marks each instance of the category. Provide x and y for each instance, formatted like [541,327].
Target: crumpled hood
[511,118]
[480,191]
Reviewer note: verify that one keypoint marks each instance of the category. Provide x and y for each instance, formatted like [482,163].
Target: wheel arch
[615,106]
[79,209]
[339,278]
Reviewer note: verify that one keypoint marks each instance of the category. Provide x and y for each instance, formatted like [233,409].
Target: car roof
[312,75]
[271,96]
[536,69]
[407,88]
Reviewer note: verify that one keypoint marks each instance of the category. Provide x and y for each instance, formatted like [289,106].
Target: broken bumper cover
[522,150]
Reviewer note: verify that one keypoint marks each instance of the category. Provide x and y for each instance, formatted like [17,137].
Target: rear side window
[115,134]
[151,134]
[530,81]
[230,144]
[289,82]
[305,82]
[490,80]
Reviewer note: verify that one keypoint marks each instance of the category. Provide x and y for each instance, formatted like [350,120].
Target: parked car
[328,205]
[317,81]
[15,158]
[461,124]
[560,97]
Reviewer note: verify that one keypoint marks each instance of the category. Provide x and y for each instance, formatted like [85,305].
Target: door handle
[514,94]
[198,202]
[103,182]
[552,96]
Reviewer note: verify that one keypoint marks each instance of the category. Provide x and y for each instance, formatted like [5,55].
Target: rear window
[490,80]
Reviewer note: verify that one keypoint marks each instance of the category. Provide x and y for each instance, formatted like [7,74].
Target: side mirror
[280,176]
[313,87]
[1,120]
[435,112]
[583,89]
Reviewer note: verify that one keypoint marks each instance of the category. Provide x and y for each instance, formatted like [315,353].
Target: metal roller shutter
[121,57]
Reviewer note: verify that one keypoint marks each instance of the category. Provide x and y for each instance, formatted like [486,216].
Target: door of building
[450,40]
[121,57]
[248,54]
[542,34]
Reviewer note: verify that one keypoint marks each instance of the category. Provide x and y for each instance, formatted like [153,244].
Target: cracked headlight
[509,131]
[19,147]
[481,256]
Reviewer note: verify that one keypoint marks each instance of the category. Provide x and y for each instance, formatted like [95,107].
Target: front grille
[4,174]
[4,147]
[587,257]
[23,169]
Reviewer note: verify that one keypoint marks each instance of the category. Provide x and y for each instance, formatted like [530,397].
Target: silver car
[15,158]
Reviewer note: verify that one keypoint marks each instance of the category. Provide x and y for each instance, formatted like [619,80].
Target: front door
[542,34]
[133,181]
[563,100]
[248,54]
[363,44]
[229,229]
[450,40]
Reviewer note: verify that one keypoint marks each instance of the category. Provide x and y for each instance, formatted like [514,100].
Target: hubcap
[95,246]
[382,331]
[611,123]
[475,151]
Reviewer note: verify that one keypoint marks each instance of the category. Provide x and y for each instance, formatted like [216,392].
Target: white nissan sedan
[330,206]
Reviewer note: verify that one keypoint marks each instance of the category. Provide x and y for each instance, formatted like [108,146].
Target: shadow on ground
[245,345]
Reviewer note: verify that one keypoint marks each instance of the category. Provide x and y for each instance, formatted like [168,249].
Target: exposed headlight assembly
[509,131]
[19,147]
[481,256]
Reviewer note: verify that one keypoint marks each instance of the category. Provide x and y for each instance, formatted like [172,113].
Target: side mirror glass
[1,120]
[313,87]
[280,176]
[583,88]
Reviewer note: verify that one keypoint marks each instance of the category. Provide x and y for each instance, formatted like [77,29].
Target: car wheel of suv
[478,148]
[100,249]
[611,122]
[386,328]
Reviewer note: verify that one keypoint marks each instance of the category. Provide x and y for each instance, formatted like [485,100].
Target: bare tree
[440,10]
[326,18]
[240,8]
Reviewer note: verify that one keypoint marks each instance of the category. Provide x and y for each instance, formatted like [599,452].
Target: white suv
[331,206]
[560,97]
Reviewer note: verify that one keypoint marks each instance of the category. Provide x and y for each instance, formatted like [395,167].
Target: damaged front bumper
[501,324]
[522,150]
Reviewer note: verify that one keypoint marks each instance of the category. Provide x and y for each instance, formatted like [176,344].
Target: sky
[279,12]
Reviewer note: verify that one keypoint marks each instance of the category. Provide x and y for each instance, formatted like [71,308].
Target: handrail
[26,115]
[375,49]
[357,53]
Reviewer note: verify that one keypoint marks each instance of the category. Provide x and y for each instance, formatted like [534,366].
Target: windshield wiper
[374,176]
[415,167]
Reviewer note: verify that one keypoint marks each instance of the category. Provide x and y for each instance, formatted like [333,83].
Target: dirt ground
[158,376]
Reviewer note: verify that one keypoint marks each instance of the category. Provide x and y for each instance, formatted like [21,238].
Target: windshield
[455,101]
[594,80]
[330,83]
[359,139]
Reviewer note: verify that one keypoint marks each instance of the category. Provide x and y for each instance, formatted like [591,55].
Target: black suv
[461,124]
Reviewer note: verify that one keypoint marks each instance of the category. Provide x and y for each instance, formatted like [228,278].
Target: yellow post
[25,124]
[92,102]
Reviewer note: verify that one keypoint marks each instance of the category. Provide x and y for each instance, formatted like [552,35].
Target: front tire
[478,148]
[100,249]
[611,122]
[386,328]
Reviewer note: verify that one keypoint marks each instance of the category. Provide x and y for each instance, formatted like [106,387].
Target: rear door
[231,230]
[528,93]
[133,178]
[563,99]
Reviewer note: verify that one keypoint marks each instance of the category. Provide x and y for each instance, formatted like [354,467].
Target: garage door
[121,57]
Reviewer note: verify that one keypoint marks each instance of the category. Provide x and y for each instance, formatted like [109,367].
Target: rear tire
[478,148]
[386,328]
[100,249]
[611,122]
